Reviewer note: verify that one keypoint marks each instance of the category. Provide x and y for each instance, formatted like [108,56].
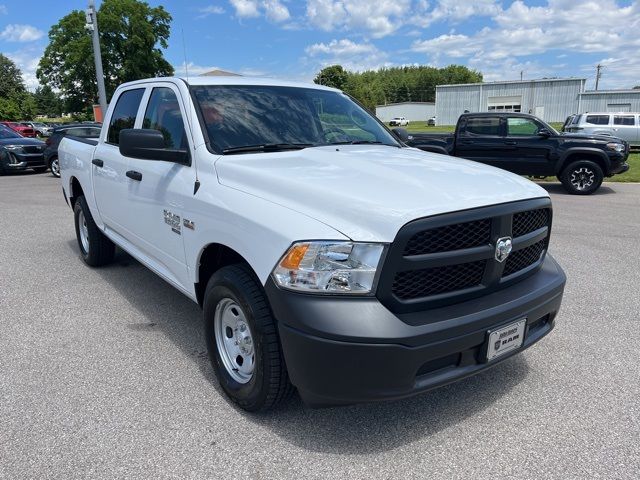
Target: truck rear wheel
[242,340]
[96,249]
[582,177]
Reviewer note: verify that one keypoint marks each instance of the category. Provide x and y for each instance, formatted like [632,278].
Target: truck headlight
[329,267]
[618,147]
[13,148]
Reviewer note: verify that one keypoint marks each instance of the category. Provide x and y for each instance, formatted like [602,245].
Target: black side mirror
[147,144]
[401,134]
[543,132]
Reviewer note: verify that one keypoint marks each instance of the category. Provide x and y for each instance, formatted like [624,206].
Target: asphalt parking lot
[104,372]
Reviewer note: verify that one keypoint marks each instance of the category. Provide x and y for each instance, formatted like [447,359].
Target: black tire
[54,166]
[99,250]
[582,177]
[40,169]
[269,383]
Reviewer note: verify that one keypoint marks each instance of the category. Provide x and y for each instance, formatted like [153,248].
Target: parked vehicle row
[20,153]
[326,254]
[526,145]
[34,154]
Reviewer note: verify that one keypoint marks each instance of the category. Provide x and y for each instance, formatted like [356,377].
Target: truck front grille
[449,237]
[449,258]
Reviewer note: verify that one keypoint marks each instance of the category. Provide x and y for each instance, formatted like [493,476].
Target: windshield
[6,132]
[249,116]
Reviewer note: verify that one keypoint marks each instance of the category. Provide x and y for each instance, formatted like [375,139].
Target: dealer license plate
[506,339]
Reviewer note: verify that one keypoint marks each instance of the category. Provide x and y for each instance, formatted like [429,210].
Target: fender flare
[576,151]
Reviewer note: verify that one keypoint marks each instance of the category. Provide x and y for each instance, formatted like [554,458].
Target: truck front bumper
[350,350]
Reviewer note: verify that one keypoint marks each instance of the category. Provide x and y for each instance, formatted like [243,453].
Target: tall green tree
[333,76]
[47,102]
[16,103]
[11,82]
[132,37]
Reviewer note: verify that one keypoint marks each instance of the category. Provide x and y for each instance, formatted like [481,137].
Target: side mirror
[543,132]
[401,134]
[147,144]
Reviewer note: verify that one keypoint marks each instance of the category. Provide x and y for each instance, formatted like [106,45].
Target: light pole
[92,26]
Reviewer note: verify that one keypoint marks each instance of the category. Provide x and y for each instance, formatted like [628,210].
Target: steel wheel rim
[55,167]
[84,231]
[582,178]
[234,340]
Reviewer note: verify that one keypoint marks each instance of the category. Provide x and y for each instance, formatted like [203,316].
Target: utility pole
[92,26]
[521,74]
[598,74]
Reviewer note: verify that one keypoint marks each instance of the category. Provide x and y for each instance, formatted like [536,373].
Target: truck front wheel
[582,177]
[242,340]
[96,249]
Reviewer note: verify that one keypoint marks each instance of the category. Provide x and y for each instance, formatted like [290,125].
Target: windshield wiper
[267,147]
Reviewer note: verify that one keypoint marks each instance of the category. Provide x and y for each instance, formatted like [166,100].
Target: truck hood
[368,192]
[590,136]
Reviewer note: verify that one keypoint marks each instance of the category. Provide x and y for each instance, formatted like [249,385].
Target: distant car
[40,128]
[21,129]
[624,125]
[20,153]
[398,122]
[431,122]
[90,131]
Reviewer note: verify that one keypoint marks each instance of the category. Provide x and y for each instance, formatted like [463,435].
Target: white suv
[623,125]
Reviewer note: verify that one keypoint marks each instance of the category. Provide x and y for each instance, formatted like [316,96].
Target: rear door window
[483,126]
[598,119]
[124,114]
[628,120]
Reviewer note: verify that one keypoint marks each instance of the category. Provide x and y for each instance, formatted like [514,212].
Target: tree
[398,84]
[11,82]
[15,102]
[334,76]
[637,87]
[132,36]
[47,102]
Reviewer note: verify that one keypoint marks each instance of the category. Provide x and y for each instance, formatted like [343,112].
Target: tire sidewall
[252,394]
[54,159]
[566,177]
[80,206]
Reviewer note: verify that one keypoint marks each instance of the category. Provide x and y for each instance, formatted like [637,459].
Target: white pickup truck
[326,255]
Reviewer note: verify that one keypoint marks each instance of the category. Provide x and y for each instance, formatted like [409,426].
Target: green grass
[633,175]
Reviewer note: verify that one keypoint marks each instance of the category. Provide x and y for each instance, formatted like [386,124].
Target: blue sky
[293,39]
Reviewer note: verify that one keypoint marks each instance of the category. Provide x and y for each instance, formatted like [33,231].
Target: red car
[21,129]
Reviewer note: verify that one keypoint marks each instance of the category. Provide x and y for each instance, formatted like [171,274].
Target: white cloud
[378,18]
[20,33]
[351,55]
[560,26]
[3,9]
[274,10]
[245,8]
[210,10]
[27,60]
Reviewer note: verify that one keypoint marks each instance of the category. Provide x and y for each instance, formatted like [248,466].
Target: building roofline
[598,92]
[511,82]
[406,103]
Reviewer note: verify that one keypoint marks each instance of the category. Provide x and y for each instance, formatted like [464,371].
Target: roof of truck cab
[228,80]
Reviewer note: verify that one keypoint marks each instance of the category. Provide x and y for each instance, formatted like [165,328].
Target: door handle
[510,143]
[133,175]
[97,162]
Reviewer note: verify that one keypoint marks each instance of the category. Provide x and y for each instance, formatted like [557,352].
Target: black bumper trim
[351,350]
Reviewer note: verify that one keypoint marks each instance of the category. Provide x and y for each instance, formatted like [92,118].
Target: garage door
[505,104]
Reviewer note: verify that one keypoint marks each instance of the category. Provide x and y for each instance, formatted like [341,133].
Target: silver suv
[622,125]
